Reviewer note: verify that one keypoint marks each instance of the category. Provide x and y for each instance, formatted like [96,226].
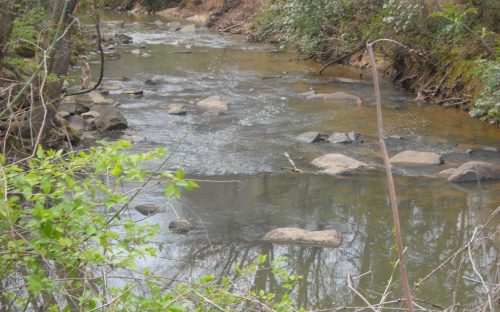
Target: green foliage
[60,217]
[401,15]
[457,18]
[308,24]
[63,232]
[487,105]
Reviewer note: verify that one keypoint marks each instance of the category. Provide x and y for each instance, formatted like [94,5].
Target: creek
[237,159]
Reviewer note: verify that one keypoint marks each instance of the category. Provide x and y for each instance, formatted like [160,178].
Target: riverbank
[449,59]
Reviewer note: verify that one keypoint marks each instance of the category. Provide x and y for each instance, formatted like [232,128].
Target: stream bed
[237,159]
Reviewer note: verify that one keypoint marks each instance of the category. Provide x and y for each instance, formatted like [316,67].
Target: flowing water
[238,157]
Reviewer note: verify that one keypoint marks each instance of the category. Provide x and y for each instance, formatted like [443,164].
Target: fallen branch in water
[292,163]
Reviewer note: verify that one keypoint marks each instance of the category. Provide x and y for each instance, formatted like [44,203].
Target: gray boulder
[326,238]
[180,226]
[110,118]
[309,137]
[417,158]
[473,171]
[148,209]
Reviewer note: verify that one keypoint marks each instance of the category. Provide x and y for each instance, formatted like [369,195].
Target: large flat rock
[417,158]
[338,160]
[326,238]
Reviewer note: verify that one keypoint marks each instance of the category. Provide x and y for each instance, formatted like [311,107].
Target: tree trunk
[6,19]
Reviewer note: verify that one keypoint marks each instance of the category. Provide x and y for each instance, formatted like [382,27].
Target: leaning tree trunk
[5,27]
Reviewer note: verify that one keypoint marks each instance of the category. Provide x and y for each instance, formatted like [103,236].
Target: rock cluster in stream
[341,165]
[87,115]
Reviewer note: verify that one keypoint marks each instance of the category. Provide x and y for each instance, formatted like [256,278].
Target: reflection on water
[241,153]
[231,217]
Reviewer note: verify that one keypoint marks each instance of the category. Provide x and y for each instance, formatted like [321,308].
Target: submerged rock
[473,171]
[188,28]
[133,91]
[336,96]
[214,101]
[176,109]
[155,80]
[326,238]
[148,209]
[180,226]
[417,158]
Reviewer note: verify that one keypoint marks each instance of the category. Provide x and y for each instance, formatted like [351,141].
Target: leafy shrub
[63,235]
[487,105]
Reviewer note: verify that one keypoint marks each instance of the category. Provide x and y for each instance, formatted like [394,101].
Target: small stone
[148,209]
[180,226]
[469,151]
[176,109]
[136,51]
[133,91]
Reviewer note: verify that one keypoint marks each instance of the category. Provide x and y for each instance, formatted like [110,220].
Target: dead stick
[390,181]
[294,168]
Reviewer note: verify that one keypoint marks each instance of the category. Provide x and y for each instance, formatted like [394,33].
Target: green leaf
[176,308]
[206,279]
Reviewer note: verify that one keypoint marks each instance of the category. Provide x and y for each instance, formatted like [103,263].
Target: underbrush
[453,52]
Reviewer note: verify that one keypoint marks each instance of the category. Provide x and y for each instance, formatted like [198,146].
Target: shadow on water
[238,158]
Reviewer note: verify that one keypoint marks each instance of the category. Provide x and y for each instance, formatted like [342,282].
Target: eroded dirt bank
[445,73]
